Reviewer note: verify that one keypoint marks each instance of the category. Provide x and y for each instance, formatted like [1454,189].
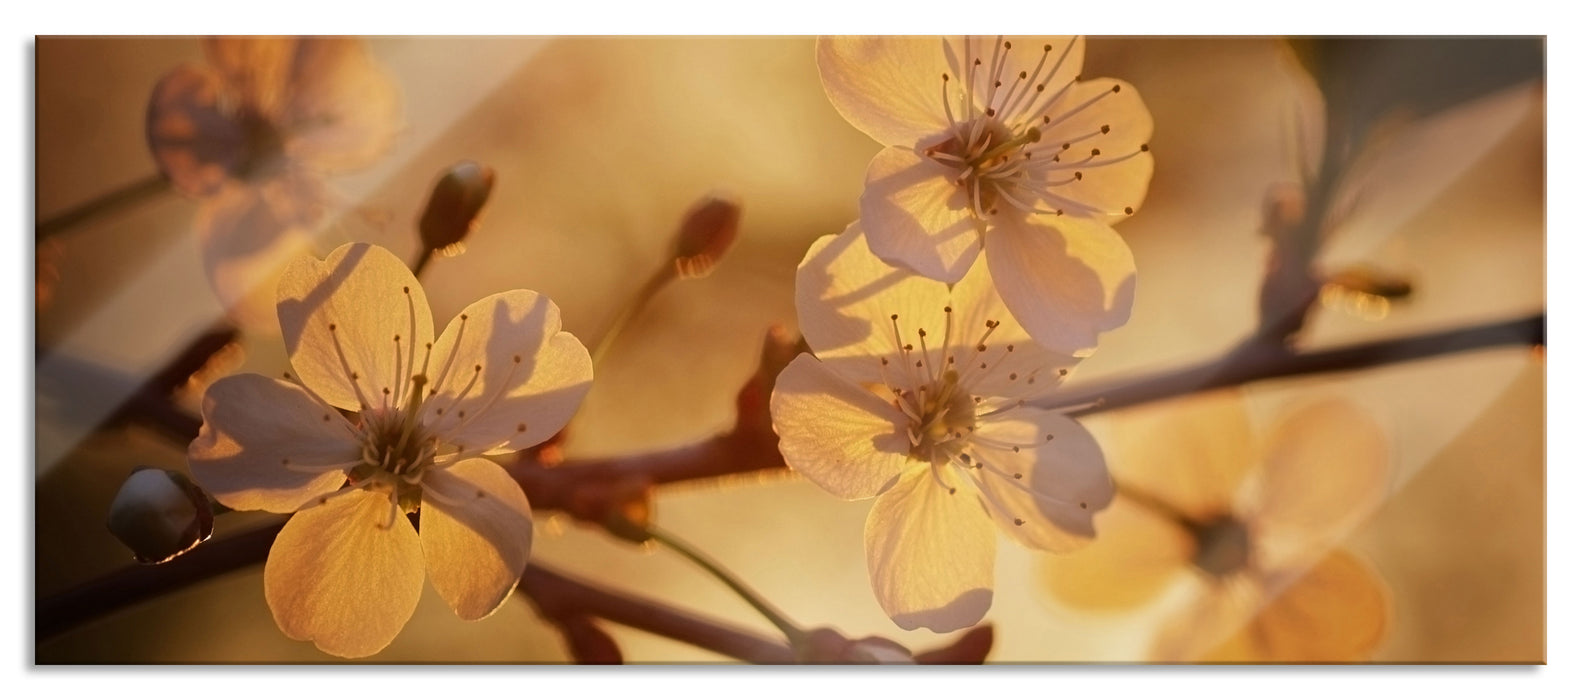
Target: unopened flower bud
[160,515]
[454,205]
[706,233]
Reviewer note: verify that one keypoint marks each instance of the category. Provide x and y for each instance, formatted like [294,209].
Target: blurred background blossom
[601,145]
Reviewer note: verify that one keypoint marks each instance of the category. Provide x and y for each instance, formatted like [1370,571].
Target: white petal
[1066,279]
[1054,69]
[477,529]
[339,577]
[930,553]
[1092,115]
[254,430]
[343,110]
[917,217]
[341,319]
[845,297]
[1011,364]
[1063,481]
[504,375]
[196,144]
[888,87]
[840,436]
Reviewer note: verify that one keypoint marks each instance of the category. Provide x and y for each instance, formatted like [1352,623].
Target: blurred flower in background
[1254,524]
[995,145]
[253,133]
[939,436]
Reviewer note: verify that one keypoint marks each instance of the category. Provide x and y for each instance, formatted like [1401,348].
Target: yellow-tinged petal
[917,217]
[1192,453]
[1050,61]
[845,297]
[196,143]
[1044,492]
[342,110]
[344,575]
[839,435]
[1336,612]
[1066,279]
[1108,116]
[256,68]
[503,374]
[355,325]
[1220,609]
[1325,469]
[887,87]
[248,235]
[267,445]
[476,529]
[1136,554]
[930,552]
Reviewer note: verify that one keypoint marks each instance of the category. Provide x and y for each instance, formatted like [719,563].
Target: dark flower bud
[454,205]
[160,515]
[706,233]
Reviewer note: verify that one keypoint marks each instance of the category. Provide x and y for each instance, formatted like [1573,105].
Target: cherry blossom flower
[1251,529]
[996,145]
[921,397]
[253,133]
[385,419]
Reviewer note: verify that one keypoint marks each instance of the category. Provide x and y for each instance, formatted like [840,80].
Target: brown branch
[1256,361]
[556,596]
[575,486]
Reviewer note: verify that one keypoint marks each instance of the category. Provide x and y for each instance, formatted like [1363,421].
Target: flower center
[263,146]
[397,449]
[945,415]
[1015,139]
[1223,546]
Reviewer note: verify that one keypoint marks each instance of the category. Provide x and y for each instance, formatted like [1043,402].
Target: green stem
[107,203]
[793,633]
[649,290]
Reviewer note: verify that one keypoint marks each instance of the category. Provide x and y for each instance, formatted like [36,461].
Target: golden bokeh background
[601,144]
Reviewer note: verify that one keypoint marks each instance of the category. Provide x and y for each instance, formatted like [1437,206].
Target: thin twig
[108,203]
[554,593]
